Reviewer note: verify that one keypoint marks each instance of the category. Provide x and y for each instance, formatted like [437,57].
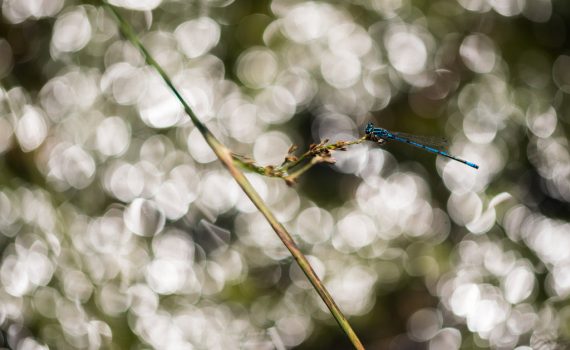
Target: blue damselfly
[383,135]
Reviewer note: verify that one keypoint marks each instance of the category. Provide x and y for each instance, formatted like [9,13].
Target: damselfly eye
[369,128]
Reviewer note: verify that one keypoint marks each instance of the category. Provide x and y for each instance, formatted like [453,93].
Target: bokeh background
[120,230]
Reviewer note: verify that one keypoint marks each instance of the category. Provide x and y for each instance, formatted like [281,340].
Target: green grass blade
[225,157]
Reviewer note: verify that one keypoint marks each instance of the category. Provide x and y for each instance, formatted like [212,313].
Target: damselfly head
[369,128]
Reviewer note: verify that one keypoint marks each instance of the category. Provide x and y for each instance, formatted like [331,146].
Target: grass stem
[225,156]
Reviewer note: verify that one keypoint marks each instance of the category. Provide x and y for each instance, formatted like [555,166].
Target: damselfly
[383,135]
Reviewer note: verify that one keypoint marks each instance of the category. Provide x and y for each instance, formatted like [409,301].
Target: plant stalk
[225,156]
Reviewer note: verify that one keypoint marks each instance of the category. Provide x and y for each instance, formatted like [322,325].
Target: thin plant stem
[293,176]
[312,152]
[225,156]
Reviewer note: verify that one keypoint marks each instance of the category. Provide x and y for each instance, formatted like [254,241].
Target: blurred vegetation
[119,229]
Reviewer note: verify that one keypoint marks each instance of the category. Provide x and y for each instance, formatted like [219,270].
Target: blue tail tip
[473,165]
